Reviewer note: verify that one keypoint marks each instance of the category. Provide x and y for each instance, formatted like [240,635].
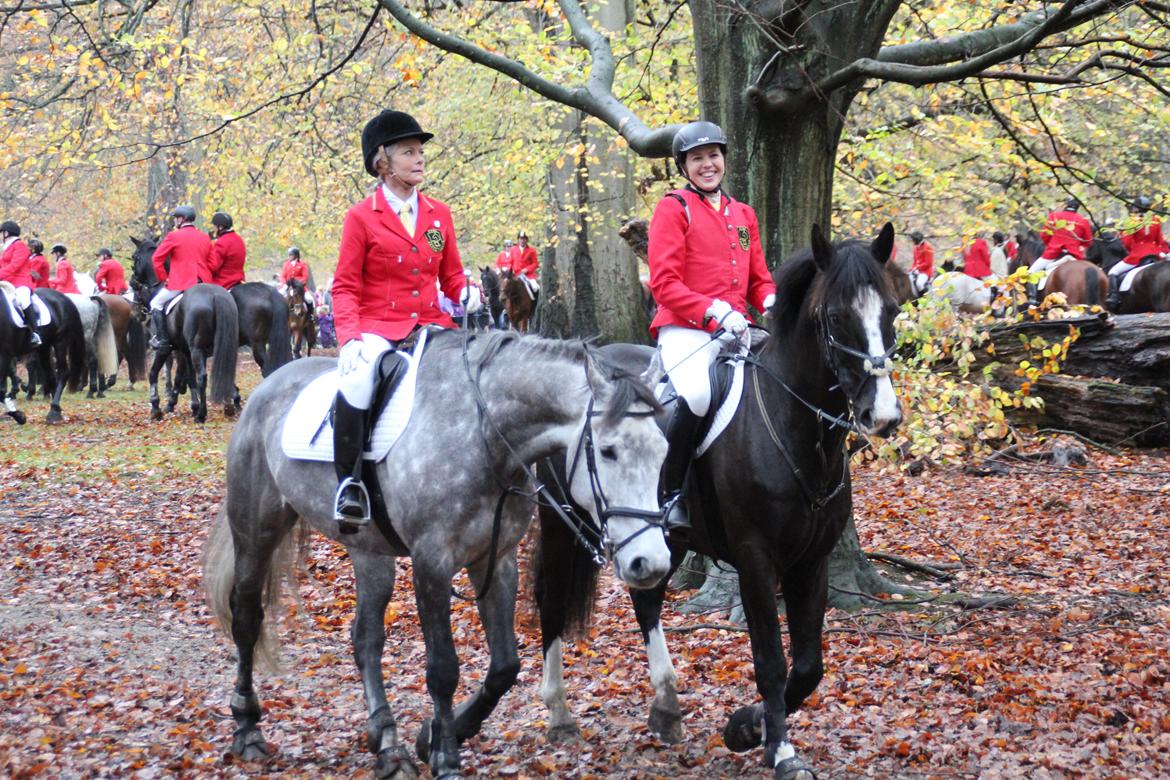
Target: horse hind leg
[375,587]
[199,385]
[665,719]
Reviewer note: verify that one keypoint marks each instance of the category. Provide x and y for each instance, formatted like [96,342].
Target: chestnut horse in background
[518,304]
[1082,283]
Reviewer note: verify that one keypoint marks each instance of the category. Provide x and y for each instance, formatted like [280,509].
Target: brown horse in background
[1082,283]
[300,322]
[129,337]
[1150,291]
[518,304]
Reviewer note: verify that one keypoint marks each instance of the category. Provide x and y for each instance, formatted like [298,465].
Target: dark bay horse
[458,493]
[518,304]
[1150,291]
[263,316]
[1081,282]
[490,281]
[129,337]
[770,497]
[60,360]
[300,322]
[204,325]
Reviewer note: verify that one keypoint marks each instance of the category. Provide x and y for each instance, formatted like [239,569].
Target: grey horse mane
[626,389]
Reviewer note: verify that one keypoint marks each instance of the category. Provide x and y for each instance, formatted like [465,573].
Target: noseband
[875,366]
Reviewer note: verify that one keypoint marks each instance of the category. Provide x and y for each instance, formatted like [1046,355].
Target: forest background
[114,112]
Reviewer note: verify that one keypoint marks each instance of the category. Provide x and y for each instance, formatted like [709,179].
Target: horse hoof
[665,725]
[229,411]
[20,417]
[744,729]
[54,417]
[250,746]
[156,414]
[89,395]
[101,395]
[563,734]
[422,743]
[793,768]
[394,764]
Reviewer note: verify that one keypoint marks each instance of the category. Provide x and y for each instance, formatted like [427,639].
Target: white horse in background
[101,348]
[964,293]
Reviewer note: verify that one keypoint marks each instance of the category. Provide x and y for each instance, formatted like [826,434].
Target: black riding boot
[1113,299]
[158,323]
[1033,294]
[351,507]
[680,440]
[31,320]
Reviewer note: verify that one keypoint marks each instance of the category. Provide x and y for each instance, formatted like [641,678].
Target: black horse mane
[628,389]
[801,288]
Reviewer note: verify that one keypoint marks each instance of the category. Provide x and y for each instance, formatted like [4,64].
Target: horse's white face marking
[629,456]
[662,674]
[886,410]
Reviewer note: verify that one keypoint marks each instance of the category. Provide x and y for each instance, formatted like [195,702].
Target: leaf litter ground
[109,664]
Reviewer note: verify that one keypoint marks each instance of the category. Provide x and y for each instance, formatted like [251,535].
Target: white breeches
[23,297]
[162,298]
[1043,263]
[1121,268]
[687,355]
[358,385]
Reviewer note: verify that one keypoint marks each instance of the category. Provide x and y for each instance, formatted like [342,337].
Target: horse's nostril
[638,567]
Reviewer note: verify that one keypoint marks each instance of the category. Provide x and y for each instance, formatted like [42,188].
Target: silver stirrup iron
[363,502]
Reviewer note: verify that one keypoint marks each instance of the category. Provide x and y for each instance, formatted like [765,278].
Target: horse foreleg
[497,613]
[6,368]
[806,591]
[437,741]
[665,720]
[58,379]
[375,586]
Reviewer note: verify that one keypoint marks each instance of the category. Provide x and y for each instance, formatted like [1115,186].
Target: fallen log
[1114,385]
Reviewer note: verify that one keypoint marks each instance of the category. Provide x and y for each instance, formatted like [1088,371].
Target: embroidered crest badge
[435,239]
[744,238]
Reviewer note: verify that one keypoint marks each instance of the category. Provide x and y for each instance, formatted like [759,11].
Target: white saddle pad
[308,431]
[1129,276]
[727,409]
[44,314]
[1048,271]
[173,302]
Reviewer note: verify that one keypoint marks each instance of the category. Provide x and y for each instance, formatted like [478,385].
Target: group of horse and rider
[1067,238]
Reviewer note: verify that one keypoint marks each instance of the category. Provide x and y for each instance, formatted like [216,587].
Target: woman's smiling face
[704,166]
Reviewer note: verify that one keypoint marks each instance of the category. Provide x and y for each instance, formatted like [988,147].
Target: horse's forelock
[854,269]
[626,391]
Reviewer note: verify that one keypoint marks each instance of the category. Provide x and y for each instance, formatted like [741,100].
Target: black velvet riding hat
[386,128]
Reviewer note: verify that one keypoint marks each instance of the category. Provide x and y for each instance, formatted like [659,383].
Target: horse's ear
[655,371]
[822,250]
[597,377]
[135,241]
[883,245]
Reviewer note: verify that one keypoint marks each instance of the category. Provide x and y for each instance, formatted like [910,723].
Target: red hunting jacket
[527,263]
[14,265]
[506,260]
[698,254]
[226,262]
[188,250]
[111,277]
[385,278]
[924,258]
[64,282]
[39,267]
[293,270]
[1143,242]
[977,259]
[1066,233]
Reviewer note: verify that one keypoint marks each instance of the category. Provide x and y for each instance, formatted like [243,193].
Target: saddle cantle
[308,429]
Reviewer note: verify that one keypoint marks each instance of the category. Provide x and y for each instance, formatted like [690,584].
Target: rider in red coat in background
[526,265]
[395,246]
[14,269]
[1065,233]
[295,268]
[111,277]
[38,266]
[922,266]
[188,249]
[63,282]
[228,254]
[977,258]
[1143,239]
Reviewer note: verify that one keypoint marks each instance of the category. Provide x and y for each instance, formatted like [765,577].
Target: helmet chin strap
[703,192]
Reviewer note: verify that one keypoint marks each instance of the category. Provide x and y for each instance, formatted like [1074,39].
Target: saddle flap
[1127,277]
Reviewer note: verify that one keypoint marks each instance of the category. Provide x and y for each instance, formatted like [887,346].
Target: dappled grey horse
[101,350]
[459,495]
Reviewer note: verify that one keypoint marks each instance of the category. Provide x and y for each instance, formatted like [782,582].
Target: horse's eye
[609,453]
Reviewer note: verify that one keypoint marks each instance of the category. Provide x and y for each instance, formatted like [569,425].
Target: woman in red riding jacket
[706,266]
[63,281]
[395,245]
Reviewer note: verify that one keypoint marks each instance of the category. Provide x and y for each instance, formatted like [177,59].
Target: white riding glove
[470,299]
[350,357]
[769,300]
[728,318]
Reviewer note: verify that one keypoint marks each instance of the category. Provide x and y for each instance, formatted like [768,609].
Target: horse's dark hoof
[89,395]
[54,417]
[422,743]
[394,764]
[666,725]
[111,381]
[101,394]
[563,734]
[793,768]
[156,414]
[250,746]
[19,416]
[229,411]
[744,729]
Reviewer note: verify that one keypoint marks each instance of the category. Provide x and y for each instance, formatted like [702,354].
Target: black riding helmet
[916,236]
[10,227]
[58,249]
[1073,204]
[1142,203]
[386,128]
[105,252]
[294,252]
[222,219]
[692,136]
[35,246]
[186,212]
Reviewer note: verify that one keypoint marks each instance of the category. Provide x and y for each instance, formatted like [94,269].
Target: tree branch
[596,98]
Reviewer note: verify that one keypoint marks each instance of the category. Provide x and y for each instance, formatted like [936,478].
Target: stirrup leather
[363,503]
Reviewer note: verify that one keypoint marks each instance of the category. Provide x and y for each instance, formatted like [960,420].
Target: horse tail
[1092,285]
[564,579]
[219,579]
[104,342]
[279,337]
[135,350]
[227,345]
[73,332]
